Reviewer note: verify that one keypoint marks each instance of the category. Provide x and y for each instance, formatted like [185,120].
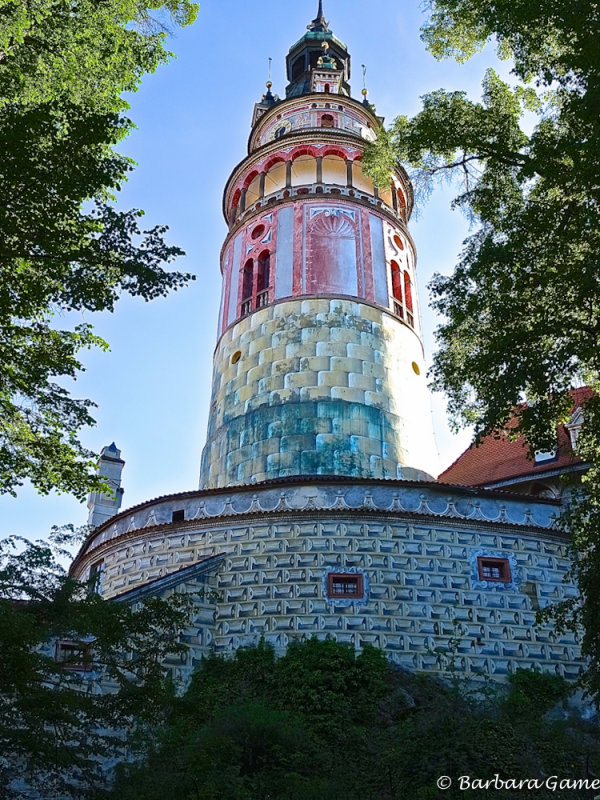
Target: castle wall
[415,546]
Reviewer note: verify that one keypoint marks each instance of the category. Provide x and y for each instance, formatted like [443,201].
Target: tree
[521,311]
[323,721]
[64,65]
[77,674]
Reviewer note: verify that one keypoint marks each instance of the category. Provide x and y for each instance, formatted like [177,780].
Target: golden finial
[365,91]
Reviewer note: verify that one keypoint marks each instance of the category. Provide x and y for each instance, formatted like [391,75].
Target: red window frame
[487,566]
[353,578]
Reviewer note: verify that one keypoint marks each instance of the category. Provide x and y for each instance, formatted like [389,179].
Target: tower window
[327,91]
[344,585]
[327,120]
[247,287]
[280,132]
[494,569]
[178,516]
[408,300]
[255,283]
[402,301]
[262,279]
[397,288]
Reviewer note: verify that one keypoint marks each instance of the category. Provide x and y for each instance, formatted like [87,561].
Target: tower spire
[319,24]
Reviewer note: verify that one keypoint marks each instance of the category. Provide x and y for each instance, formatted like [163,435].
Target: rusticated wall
[266,553]
[318,386]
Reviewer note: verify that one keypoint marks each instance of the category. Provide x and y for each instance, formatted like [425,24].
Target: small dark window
[494,569]
[344,585]
[96,577]
[257,232]
[179,515]
[327,90]
[327,121]
[280,132]
[74,656]
[247,280]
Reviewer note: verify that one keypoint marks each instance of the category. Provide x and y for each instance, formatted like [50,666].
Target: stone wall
[318,386]
[268,554]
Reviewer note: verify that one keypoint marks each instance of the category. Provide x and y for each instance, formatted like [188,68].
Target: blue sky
[193,120]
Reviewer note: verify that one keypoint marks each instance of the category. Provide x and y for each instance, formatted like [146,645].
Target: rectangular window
[74,656]
[178,516]
[540,456]
[344,585]
[494,569]
[96,577]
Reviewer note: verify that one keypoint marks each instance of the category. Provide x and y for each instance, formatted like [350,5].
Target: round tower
[315,517]
[318,368]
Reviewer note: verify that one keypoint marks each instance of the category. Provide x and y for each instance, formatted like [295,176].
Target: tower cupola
[317,52]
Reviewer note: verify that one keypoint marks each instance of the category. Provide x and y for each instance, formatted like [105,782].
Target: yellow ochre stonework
[318,386]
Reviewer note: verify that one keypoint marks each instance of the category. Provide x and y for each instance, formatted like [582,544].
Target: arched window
[397,288]
[334,170]
[247,281]
[280,132]
[327,120]
[361,181]
[262,279]
[255,283]
[327,90]
[275,180]
[408,300]
[304,171]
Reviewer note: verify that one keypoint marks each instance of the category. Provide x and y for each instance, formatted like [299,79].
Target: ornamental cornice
[301,100]
[413,502]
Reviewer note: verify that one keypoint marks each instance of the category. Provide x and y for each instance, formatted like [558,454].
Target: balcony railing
[246,306]
[262,298]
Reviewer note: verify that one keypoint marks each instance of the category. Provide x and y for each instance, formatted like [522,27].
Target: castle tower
[319,367]
[315,516]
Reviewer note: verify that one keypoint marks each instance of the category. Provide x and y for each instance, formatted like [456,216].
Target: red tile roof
[499,459]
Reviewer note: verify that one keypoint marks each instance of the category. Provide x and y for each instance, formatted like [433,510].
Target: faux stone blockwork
[318,386]
[199,581]
[422,592]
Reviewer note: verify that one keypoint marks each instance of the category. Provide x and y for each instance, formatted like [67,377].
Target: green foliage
[64,65]
[60,717]
[534,693]
[521,311]
[323,721]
